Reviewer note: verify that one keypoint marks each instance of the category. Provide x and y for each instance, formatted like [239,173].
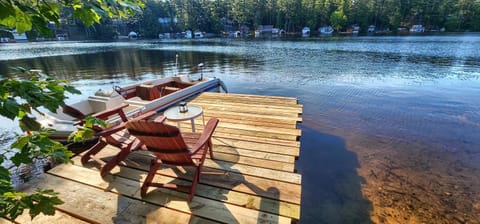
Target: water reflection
[331,191]
[130,62]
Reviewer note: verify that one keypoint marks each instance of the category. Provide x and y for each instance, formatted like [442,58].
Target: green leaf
[9,108]
[8,20]
[40,25]
[91,122]
[29,124]
[51,11]
[6,9]
[87,15]
[21,157]
[4,173]
[81,135]
[15,210]
[72,90]
[20,142]
[23,21]
[45,201]
[5,187]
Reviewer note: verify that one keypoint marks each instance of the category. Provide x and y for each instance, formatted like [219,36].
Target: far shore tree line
[292,15]
[217,16]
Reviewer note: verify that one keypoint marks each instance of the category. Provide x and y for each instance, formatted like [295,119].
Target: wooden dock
[252,178]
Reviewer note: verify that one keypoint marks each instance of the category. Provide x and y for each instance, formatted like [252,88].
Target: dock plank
[254,154]
[264,118]
[253,129]
[250,98]
[250,110]
[276,107]
[264,123]
[257,146]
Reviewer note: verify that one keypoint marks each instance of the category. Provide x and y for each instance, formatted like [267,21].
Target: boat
[237,34]
[188,34]
[275,32]
[306,31]
[325,30]
[198,34]
[371,29]
[61,37]
[356,29]
[153,95]
[19,37]
[417,29]
[132,35]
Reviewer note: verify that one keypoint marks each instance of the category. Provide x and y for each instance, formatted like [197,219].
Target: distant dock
[252,178]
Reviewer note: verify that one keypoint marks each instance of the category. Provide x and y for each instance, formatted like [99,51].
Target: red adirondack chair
[173,148]
[117,136]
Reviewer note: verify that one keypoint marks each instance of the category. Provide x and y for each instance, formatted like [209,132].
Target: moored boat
[153,95]
[306,31]
[325,30]
[417,28]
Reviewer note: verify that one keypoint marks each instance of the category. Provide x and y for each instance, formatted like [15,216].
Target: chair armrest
[121,126]
[72,111]
[109,131]
[160,119]
[105,114]
[116,110]
[206,135]
[145,116]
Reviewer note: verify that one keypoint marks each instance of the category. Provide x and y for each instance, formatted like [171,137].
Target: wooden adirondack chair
[117,136]
[173,148]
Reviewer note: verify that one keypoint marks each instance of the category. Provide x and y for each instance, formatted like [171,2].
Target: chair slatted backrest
[165,141]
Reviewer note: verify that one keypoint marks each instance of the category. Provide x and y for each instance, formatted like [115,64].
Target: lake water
[391,125]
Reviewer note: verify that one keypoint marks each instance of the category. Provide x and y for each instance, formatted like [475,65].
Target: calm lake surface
[383,116]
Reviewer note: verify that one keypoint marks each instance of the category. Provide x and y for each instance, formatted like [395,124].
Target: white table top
[173,113]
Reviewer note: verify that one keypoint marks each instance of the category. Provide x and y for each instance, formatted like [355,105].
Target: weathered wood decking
[251,180]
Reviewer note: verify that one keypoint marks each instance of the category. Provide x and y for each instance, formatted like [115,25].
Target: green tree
[151,27]
[290,11]
[243,12]
[338,19]
[20,98]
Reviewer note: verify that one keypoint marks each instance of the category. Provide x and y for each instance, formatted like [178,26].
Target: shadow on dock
[214,192]
[331,190]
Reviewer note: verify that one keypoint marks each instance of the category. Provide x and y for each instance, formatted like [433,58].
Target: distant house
[417,28]
[244,29]
[402,29]
[166,22]
[227,24]
[264,30]
[61,37]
